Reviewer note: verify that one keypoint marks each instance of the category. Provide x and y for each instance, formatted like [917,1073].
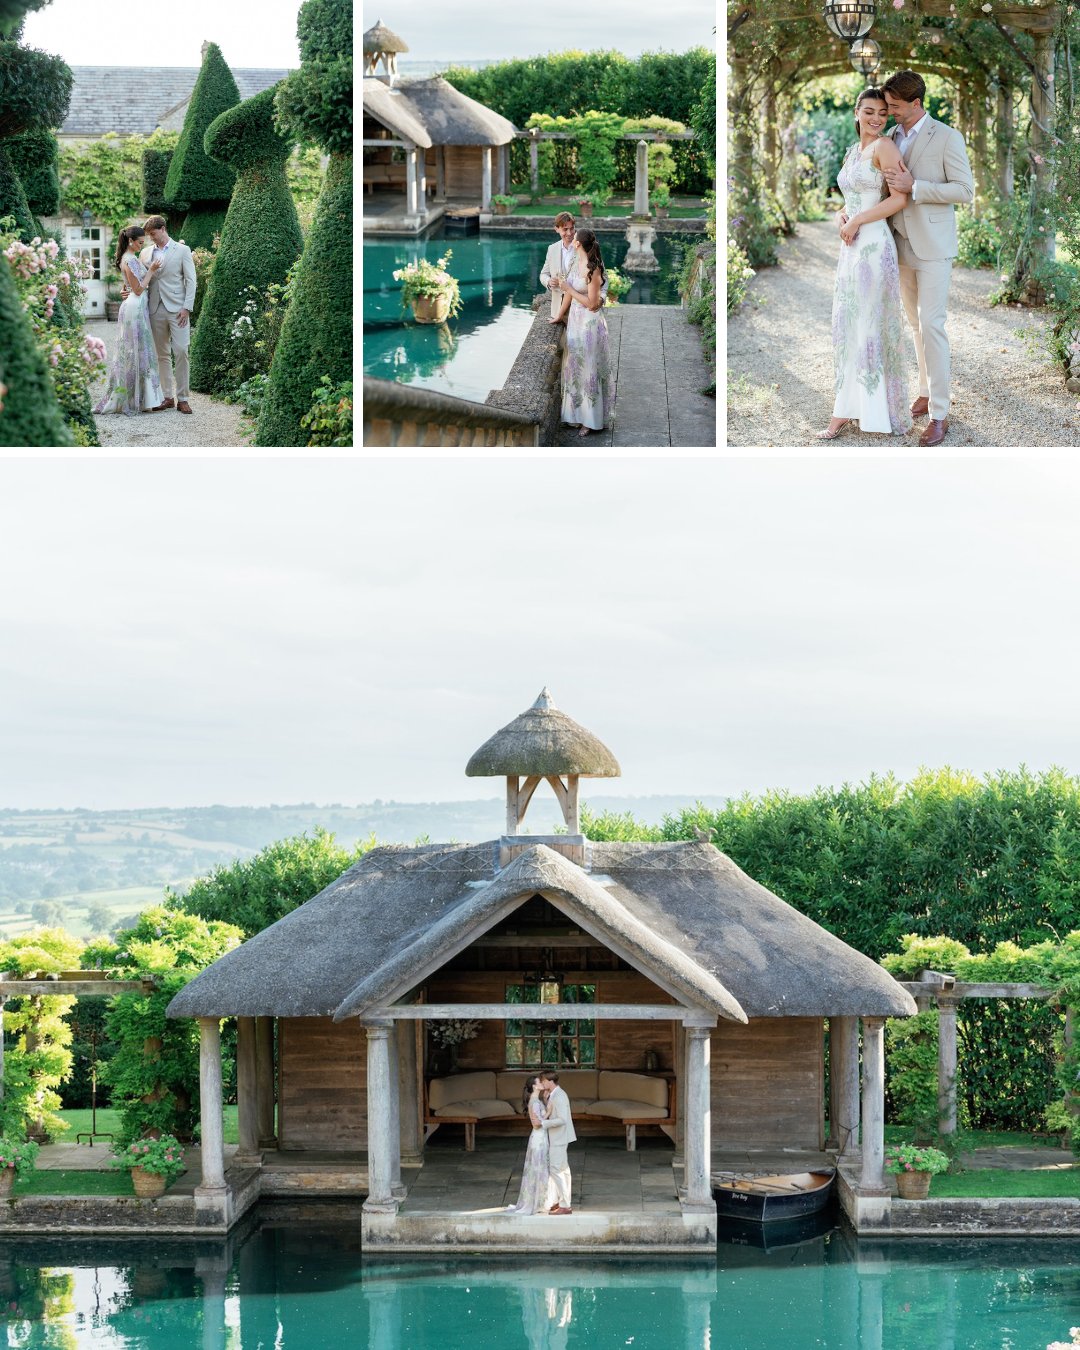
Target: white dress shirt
[905,140]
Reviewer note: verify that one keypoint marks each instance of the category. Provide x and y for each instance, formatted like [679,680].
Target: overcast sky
[340,630]
[92,33]
[476,30]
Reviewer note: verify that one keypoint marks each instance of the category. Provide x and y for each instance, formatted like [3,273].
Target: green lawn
[545,209]
[989,1183]
[74,1183]
[108,1121]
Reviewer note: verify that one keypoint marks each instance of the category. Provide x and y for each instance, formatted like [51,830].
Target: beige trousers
[559,1175]
[924,289]
[168,333]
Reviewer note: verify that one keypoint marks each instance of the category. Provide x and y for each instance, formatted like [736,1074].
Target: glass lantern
[865,57]
[849,19]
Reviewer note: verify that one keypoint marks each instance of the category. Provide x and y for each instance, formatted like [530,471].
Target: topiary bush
[195,181]
[35,155]
[13,197]
[316,100]
[316,337]
[29,413]
[260,240]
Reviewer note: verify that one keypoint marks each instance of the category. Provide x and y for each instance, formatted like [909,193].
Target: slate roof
[543,740]
[135,99]
[683,912]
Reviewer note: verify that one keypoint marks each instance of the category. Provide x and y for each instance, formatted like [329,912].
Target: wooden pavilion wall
[322,1084]
[768,1083]
[463,169]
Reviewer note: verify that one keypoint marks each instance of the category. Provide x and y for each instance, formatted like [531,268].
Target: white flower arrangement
[454,1032]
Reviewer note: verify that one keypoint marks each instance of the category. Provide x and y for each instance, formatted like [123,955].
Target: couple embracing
[154,325]
[575,275]
[545,1177]
[898,232]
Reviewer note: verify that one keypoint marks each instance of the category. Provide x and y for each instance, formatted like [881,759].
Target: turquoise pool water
[307,1286]
[499,275]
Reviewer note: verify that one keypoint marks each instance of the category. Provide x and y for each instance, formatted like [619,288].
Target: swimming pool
[499,275]
[288,1284]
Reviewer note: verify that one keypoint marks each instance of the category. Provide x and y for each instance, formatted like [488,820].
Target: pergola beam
[533,1012]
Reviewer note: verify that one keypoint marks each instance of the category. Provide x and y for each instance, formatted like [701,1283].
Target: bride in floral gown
[588,395]
[867,329]
[533,1198]
[133,375]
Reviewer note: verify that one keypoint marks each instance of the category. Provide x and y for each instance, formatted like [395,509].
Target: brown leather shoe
[554,1209]
[562,1211]
[920,407]
[183,406]
[169,403]
[935,432]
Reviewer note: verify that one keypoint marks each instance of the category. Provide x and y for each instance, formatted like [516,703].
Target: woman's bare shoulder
[885,151]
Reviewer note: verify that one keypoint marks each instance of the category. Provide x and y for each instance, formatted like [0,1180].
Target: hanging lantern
[865,56]
[849,19]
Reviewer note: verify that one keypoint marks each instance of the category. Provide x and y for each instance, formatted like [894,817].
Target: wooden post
[264,1054]
[789,158]
[844,1062]
[485,166]
[534,163]
[1004,138]
[511,794]
[697,1172]
[832,1141]
[946,1064]
[504,169]
[210,1108]
[380,1148]
[770,150]
[980,157]
[247,1093]
[440,173]
[1042,137]
[872,1181]
[573,813]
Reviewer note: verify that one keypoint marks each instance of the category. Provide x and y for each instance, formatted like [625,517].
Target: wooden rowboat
[768,1198]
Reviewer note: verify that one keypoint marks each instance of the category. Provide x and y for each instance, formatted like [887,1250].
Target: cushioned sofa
[595,1094]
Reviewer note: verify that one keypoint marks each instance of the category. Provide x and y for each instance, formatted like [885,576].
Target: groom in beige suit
[171,299]
[560,1132]
[937,179]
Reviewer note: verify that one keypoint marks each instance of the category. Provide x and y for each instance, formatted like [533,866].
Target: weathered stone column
[421,181]
[697,1173]
[844,1061]
[247,1093]
[394,1102]
[380,1148]
[641,180]
[485,166]
[872,1181]
[946,1064]
[1042,136]
[1005,136]
[264,1054]
[213,1137]
[534,161]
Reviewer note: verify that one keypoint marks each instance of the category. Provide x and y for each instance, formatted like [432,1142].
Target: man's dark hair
[550,1075]
[155,223]
[907,85]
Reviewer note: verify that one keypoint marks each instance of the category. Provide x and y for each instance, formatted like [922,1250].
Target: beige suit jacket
[552,264]
[173,287]
[938,162]
[560,1122]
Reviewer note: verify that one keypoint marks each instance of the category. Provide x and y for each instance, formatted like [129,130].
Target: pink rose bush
[49,287]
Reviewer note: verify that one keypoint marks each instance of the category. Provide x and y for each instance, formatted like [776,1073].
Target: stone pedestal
[640,235]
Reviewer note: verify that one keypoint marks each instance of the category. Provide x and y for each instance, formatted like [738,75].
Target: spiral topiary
[195,181]
[261,237]
[315,103]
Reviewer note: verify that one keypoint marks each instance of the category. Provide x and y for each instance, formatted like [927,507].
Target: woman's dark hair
[868,94]
[527,1092]
[587,240]
[123,239]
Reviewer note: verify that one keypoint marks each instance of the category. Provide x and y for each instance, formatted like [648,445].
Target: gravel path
[210,424]
[780,376]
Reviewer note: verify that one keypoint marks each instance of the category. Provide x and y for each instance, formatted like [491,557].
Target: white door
[88,243]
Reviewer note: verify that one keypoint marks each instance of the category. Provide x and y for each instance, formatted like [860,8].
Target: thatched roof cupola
[542,743]
[380,44]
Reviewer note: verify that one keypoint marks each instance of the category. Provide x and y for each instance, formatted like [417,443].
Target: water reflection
[291,1282]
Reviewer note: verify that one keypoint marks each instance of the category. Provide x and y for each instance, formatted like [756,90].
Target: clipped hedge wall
[261,237]
[195,181]
[13,197]
[30,415]
[36,157]
[316,338]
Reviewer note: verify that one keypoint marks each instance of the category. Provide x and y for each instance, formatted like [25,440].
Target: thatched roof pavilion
[380,44]
[678,946]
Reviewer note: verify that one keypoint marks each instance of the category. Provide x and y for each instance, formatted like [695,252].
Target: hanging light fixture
[865,56]
[849,19]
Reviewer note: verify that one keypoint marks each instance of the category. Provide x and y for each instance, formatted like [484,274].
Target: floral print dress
[588,395]
[533,1198]
[134,386]
[868,359]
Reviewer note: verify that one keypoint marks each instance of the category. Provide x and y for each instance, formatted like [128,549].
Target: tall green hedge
[261,237]
[316,337]
[36,157]
[13,197]
[195,181]
[30,415]
[155,170]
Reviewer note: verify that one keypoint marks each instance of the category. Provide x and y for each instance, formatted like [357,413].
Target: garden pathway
[659,374]
[210,425]
[779,359]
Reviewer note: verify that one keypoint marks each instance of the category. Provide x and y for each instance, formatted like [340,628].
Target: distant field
[122,903]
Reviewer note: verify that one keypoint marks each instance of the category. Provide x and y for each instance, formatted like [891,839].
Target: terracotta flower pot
[431,309]
[7,1180]
[501,209]
[148,1185]
[913,1185]
[586,209]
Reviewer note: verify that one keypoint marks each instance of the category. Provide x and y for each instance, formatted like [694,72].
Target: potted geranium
[661,197]
[618,285]
[17,1157]
[153,1163]
[503,204]
[913,1165]
[430,289]
[588,200]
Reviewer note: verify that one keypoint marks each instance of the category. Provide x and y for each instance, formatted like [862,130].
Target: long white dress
[535,1194]
[871,385]
[587,387]
[134,385]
